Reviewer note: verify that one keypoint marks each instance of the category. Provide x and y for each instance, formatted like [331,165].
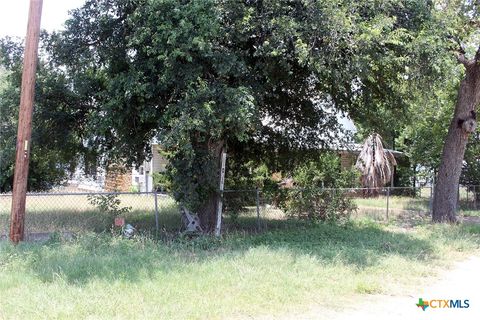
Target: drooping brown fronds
[375,163]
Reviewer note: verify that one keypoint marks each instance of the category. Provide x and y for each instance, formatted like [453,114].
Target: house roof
[356,148]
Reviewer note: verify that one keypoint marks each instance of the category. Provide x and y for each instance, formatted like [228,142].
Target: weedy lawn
[105,277]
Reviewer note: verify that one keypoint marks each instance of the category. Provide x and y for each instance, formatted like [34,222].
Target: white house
[109,180]
[142,178]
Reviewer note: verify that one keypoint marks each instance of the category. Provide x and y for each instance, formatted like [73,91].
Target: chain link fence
[75,213]
[5,205]
[250,210]
[469,198]
[258,210]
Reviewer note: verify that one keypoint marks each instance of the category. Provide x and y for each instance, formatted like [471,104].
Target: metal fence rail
[80,212]
[404,204]
[248,210]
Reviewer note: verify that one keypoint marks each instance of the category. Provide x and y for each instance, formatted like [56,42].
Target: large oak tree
[201,74]
[252,74]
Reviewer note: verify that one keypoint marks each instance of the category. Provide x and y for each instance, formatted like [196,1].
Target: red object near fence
[119,222]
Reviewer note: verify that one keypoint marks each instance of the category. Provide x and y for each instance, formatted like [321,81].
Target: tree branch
[462,59]
[461,53]
[477,55]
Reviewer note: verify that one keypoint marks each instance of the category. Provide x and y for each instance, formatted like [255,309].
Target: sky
[14,15]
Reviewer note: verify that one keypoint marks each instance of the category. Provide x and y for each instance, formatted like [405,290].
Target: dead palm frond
[375,163]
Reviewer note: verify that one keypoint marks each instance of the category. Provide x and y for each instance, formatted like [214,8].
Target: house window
[141,170]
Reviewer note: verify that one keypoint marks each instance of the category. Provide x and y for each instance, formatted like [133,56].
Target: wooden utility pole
[17,220]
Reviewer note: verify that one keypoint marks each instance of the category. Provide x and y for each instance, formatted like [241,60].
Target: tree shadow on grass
[110,258]
[82,221]
[412,218]
[358,245]
[417,204]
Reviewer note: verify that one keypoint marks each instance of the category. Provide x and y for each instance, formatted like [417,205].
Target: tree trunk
[208,212]
[446,189]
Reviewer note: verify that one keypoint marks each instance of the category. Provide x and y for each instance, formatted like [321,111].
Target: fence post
[156,212]
[474,197]
[218,224]
[458,197]
[468,203]
[258,209]
[432,192]
[388,200]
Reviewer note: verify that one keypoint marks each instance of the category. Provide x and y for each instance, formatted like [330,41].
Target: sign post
[218,226]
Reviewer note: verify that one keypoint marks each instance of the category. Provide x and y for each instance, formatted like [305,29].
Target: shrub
[161,182]
[311,201]
[325,172]
[108,203]
[317,204]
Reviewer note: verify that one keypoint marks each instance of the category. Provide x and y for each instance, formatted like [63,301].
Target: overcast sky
[14,15]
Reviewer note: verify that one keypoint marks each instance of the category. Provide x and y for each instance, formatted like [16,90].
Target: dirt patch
[460,283]
[474,220]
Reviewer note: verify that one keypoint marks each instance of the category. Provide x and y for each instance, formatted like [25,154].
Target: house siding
[118,179]
[159,163]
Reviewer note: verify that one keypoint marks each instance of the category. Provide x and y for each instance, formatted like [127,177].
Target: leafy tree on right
[462,28]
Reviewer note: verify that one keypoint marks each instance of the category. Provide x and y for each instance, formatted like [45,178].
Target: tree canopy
[256,76]
[57,126]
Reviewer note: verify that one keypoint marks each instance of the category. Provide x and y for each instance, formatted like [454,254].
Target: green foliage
[317,205]
[161,181]
[206,72]
[108,203]
[432,102]
[422,139]
[134,189]
[263,77]
[318,172]
[310,200]
[57,123]
[404,178]
[471,168]
[195,138]
[243,174]
[246,177]
[325,172]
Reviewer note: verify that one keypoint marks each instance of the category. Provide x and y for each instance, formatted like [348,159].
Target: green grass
[403,207]
[471,213]
[104,277]
[394,202]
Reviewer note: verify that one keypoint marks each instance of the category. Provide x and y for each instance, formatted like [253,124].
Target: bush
[161,182]
[325,172]
[237,203]
[108,203]
[317,204]
[311,201]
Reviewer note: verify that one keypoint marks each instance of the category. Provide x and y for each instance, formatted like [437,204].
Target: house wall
[142,177]
[118,179]
[347,160]
[159,163]
[81,181]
